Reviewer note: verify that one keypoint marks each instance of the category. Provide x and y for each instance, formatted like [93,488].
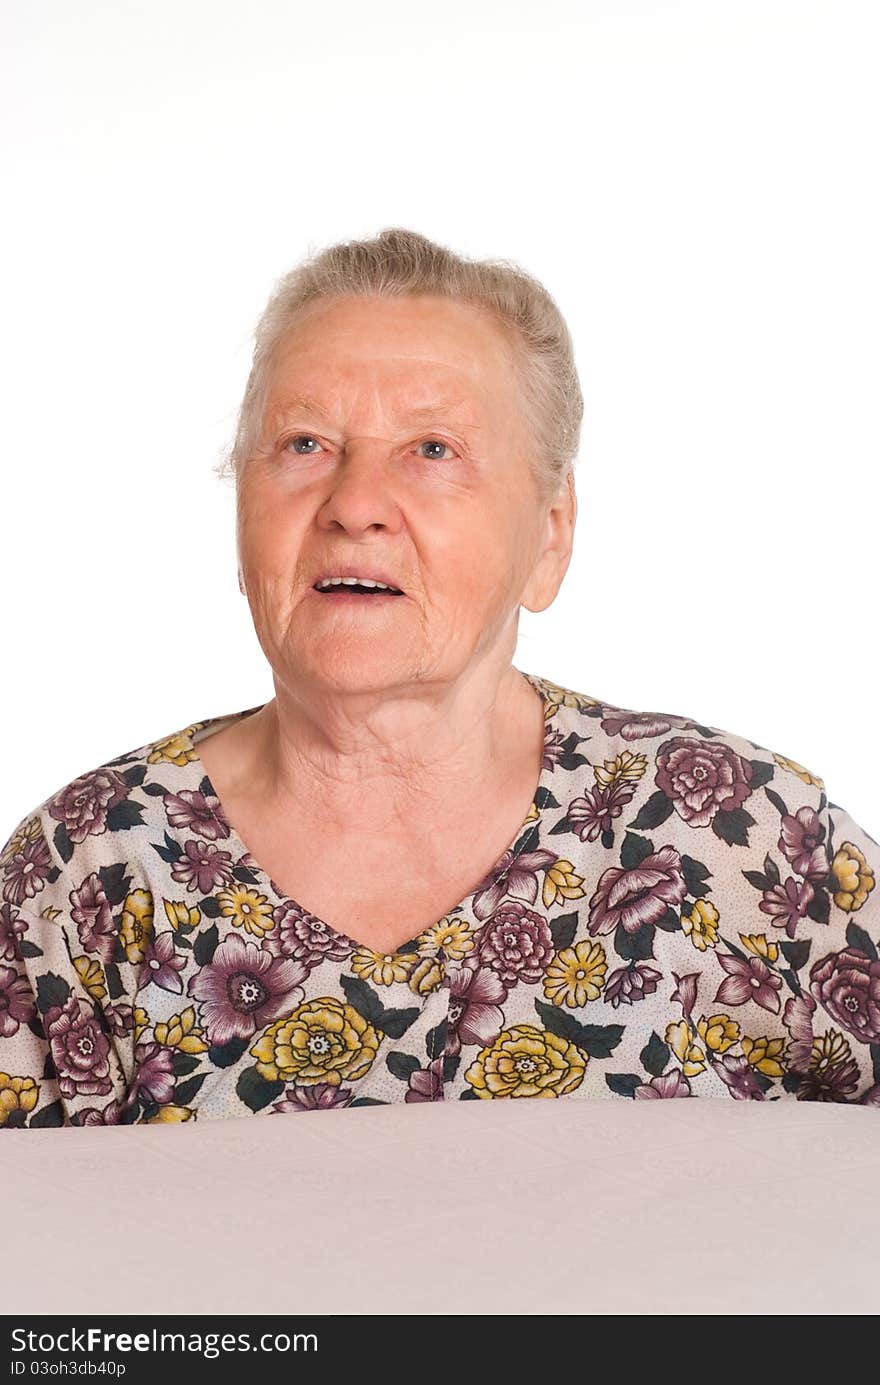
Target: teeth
[351,582]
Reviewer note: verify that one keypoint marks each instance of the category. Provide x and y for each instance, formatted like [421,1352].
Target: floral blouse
[682,913]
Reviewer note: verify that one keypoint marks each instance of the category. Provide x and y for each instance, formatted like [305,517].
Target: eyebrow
[294,404]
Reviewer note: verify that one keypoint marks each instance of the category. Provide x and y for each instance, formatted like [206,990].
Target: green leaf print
[224,1055]
[634,850]
[205,945]
[655,811]
[255,1091]
[857,937]
[402,1065]
[51,990]
[624,1083]
[655,1055]
[598,1040]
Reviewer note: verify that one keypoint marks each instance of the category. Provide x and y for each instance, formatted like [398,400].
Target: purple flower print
[25,874]
[685,992]
[244,988]
[702,778]
[514,875]
[120,1018]
[90,911]
[787,903]
[671,1084]
[80,1049]
[161,964]
[426,1084]
[12,930]
[154,1076]
[83,804]
[635,726]
[302,936]
[748,979]
[821,1079]
[632,983]
[316,1098]
[112,1114]
[798,1020]
[517,944]
[637,896]
[739,1077]
[475,1015]
[16,1001]
[830,1082]
[847,985]
[802,843]
[192,811]
[594,813]
[203,867]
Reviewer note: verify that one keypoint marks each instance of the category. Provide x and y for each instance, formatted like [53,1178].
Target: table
[488,1207]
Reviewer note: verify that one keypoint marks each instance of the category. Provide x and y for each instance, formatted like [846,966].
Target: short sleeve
[836,1022]
[59,1058]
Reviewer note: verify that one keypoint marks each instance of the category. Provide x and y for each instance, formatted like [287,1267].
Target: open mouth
[354,589]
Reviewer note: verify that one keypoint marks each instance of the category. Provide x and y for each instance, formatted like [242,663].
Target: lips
[355,589]
[362,569]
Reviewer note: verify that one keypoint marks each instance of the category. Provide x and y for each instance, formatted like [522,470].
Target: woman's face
[392,441]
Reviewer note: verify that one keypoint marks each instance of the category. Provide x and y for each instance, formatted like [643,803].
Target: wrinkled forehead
[328,407]
[460,370]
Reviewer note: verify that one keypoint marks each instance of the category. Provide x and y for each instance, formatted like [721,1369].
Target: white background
[695,183]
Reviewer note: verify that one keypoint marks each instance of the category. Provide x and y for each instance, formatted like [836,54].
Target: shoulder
[87,825]
[678,764]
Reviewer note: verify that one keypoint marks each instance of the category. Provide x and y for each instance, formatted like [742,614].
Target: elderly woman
[418,873]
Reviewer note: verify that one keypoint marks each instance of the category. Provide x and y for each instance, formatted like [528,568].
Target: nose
[360,492]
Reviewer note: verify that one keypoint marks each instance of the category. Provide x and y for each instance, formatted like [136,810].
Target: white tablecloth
[677,1206]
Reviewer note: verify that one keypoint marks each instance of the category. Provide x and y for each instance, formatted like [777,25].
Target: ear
[546,578]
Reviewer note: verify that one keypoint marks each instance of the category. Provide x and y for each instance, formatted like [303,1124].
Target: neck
[391,761]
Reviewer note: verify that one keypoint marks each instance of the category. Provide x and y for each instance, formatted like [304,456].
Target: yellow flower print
[718,1032]
[527,1061]
[91,974]
[16,1094]
[321,1041]
[175,750]
[142,1021]
[701,924]
[137,924]
[169,1113]
[247,908]
[29,834]
[759,945]
[181,915]
[679,1037]
[454,935]
[794,768]
[628,765]
[181,1032]
[382,968]
[561,882]
[564,697]
[576,974]
[51,914]
[829,1051]
[854,876]
[425,976]
[765,1054]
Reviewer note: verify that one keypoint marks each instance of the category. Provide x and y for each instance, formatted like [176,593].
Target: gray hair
[399,262]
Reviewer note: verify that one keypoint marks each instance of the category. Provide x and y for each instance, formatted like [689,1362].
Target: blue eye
[434,442]
[299,437]
[291,445]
